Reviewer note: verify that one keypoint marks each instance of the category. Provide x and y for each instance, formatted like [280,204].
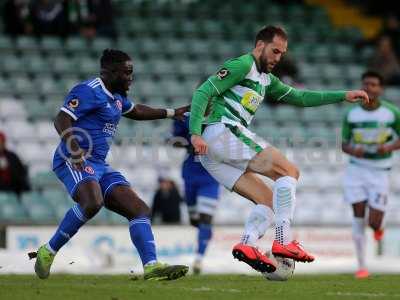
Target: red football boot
[253,257]
[293,250]
[378,235]
[361,274]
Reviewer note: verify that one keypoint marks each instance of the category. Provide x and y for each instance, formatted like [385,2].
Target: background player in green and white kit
[370,135]
[234,155]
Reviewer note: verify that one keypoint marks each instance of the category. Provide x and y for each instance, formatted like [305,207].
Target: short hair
[373,74]
[113,56]
[267,33]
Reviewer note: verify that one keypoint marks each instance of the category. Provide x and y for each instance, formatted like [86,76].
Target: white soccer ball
[284,269]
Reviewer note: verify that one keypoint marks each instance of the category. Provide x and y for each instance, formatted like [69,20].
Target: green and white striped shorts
[230,148]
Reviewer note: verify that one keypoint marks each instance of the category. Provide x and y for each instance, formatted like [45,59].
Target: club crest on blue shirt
[89,169]
[119,104]
[73,103]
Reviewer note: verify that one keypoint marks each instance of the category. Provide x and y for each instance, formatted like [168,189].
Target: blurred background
[47,46]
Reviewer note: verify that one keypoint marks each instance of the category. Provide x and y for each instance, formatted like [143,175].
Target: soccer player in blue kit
[201,191]
[86,124]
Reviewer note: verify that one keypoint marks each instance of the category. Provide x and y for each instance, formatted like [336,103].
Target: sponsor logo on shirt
[372,136]
[73,103]
[109,128]
[251,100]
[89,169]
[222,73]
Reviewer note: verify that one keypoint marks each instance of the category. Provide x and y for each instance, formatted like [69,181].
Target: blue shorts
[201,196]
[100,172]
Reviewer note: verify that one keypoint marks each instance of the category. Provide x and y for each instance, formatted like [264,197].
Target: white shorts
[366,184]
[230,148]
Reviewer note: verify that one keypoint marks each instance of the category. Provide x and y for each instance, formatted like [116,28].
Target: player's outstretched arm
[141,112]
[356,95]
[280,92]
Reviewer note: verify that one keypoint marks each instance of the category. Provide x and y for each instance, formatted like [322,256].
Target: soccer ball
[284,269]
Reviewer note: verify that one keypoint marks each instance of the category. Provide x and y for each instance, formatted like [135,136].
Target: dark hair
[267,33]
[113,56]
[373,74]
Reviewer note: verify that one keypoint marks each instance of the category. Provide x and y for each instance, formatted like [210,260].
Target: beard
[264,63]
[120,89]
[122,92]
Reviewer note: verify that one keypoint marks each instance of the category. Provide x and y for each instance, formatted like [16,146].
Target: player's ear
[108,73]
[104,72]
[260,43]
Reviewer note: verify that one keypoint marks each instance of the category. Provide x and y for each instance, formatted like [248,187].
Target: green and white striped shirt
[239,87]
[369,129]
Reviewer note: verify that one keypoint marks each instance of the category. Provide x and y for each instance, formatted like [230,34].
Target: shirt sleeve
[396,125]
[127,105]
[79,102]
[396,112]
[346,129]
[231,73]
[278,91]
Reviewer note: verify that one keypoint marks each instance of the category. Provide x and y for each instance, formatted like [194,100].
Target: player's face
[123,77]
[272,53]
[372,87]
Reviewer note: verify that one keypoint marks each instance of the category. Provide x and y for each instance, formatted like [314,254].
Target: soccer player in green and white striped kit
[234,155]
[370,134]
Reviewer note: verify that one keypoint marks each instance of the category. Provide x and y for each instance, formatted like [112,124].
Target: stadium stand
[174,47]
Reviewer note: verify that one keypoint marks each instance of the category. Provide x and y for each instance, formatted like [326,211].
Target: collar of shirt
[105,89]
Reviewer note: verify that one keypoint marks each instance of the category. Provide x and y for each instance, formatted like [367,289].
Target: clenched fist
[199,145]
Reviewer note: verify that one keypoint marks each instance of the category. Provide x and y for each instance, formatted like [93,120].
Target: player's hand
[199,145]
[179,112]
[78,159]
[357,95]
[384,149]
[358,152]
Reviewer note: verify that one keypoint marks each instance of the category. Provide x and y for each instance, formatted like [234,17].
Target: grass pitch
[220,287]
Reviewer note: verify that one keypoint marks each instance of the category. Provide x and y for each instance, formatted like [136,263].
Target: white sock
[284,199]
[359,240]
[199,258]
[260,219]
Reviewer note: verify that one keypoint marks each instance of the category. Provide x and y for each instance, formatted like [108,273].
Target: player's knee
[294,172]
[92,208]
[290,170]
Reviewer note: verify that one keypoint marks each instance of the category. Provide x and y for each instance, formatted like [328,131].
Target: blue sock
[203,238]
[73,220]
[143,239]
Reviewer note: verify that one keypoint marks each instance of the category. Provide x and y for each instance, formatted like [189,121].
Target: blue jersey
[192,168]
[96,113]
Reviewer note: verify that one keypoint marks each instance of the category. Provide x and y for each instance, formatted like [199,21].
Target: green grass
[219,287]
